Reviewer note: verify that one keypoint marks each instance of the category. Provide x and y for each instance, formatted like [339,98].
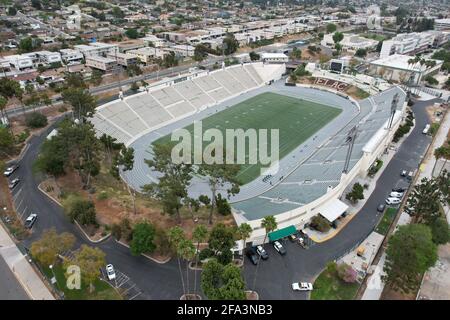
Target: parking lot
[126,287]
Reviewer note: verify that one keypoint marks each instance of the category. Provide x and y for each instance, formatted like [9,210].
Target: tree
[361,53]
[82,102]
[243,232]
[46,249]
[356,194]
[199,235]
[230,44]
[96,77]
[6,140]
[28,44]
[409,254]
[134,70]
[221,241]
[440,231]
[220,282]
[331,27]
[176,236]
[186,251]
[219,175]
[320,223]
[90,260]
[35,120]
[254,56]
[36,4]
[143,238]
[134,87]
[296,54]
[132,33]
[200,52]
[82,211]
[338,37]
[269,224]
[423,201]
[171,188]
[117,13]
[12,11]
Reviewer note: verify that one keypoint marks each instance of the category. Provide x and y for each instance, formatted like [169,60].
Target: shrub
[116,231]
[320,223]
[36,120]
[440,231]
[225,257]
[205,254]
[223,207]
[102,195]
[83,211]
[126,229]
[346,273]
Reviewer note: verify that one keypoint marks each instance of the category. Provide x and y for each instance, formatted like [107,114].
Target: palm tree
[243,232]
[186,250]
[269,224]
[176,236]
[199,235]
[442,153]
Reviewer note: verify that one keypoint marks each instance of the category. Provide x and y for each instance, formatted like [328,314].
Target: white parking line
[24,211]
[135,295]
[17,194]
[20,203]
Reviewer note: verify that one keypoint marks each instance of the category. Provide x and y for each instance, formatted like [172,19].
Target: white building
[101,63]
[70,55]
[20,62]
[350,42]
[183,50]
[124,59]
[47,57]
[96,49]
[154,40]
[412,43]
[396,68]
[270,57]
[442,24]
[147,54]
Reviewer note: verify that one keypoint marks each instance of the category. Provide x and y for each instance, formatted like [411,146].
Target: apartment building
[96,49]
[124,59]
[20,62]
[125,46]
[183,50]
[350,42]
[71,56]
[273,57]
[152,40]
[101,63]
[442,24]
[147,54]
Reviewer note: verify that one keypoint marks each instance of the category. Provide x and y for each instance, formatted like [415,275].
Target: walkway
[22,270]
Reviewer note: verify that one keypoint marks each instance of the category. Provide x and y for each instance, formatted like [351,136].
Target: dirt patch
[390,294]
[435,112]
[113,203]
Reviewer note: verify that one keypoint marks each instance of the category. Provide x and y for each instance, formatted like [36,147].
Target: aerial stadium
[327,138]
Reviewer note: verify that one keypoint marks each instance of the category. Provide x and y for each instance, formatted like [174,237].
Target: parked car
[281,250]
[29,222]
[381,207]
[410,175]
[252,256]
[394,194]
[393,200]
[13,183]
[302,242]
[9,171]
[399,189]
[302,286]
[110,272]
[403,173]
[260,250]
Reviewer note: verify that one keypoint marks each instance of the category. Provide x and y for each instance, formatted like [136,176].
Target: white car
[302,286]
[395,194]
[9,171]
[393,200]
[110,272]
[281,250]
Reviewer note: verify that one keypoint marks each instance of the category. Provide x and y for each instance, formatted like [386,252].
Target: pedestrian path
[21,268]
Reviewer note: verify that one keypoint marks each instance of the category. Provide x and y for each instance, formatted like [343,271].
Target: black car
[252,256]
[381,207]
[399,189]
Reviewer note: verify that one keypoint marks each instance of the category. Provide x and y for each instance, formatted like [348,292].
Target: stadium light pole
[351,137]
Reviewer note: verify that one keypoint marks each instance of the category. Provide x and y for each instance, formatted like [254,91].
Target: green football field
[296,119]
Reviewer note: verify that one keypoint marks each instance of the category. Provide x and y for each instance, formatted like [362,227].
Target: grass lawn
[384,224]
[329,287]
[296,120]
[103,291]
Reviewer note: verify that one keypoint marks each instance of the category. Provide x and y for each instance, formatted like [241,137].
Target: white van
[426,129]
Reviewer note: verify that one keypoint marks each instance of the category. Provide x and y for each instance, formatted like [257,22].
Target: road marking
[17,194]
[20,203]
[21,215]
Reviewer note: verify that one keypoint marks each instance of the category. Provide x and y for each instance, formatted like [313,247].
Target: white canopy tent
[333,209]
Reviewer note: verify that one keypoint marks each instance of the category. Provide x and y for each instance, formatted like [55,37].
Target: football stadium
[326,138]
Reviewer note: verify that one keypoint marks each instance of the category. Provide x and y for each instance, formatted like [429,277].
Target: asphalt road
[10,288]
[155,281]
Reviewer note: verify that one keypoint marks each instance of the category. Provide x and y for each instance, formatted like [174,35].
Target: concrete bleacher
[136,115]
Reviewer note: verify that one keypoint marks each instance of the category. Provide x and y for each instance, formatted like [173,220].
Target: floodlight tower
[394,104]
[350,140]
